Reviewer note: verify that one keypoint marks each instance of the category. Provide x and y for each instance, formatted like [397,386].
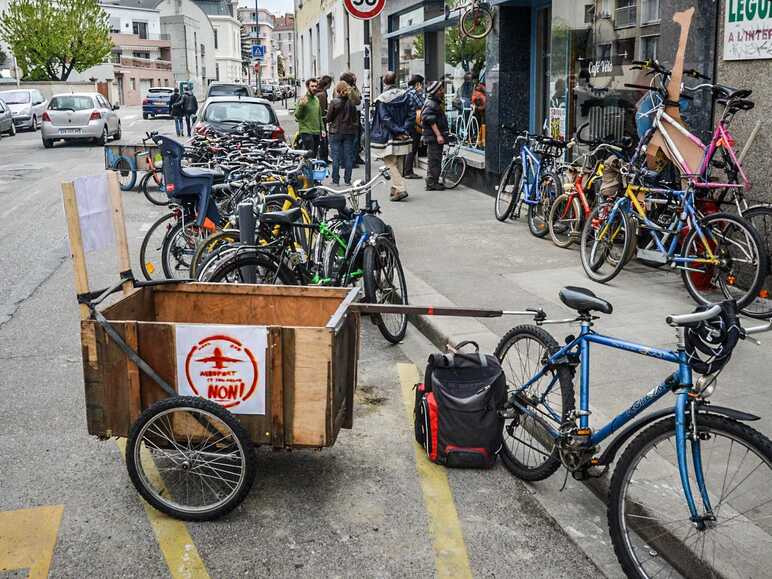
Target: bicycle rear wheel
[267,269]
[538,213]
[453,171]
[760,217]
[384,283]
[649,520]
[565,220]
[151,250]
[605,244]
[508,191]
[528,451]
[477,22]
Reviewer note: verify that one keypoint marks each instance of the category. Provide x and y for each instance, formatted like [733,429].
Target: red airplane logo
[218,359]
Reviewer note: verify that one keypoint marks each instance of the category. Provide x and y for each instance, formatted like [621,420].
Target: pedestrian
[189,107]
[480,100]
[390,132]
[308,114]
[321,93]
[434,123]
[342,124]
[356,99]
[175,110]
[415,94]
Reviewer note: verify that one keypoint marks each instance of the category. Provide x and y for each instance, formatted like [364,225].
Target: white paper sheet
[96,220]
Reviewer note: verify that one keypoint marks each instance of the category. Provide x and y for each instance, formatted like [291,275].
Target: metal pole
[366,109]
[247,226]
[259,90]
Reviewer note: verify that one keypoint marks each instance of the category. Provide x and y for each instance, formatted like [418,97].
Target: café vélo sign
[748,29]
[364,9]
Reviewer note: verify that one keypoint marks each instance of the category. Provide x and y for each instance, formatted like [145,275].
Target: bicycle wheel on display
[453,171]
[127,176]
[742,266]
[153,192]
[650,523]
[151,250]
[384,283]
[508,191]
[477,22]
[760,217]
[538,213]
[565,220]
[528,451]
[190,458]
[605,243]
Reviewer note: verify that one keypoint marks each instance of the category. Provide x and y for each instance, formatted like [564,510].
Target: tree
[467,52]
[50,39]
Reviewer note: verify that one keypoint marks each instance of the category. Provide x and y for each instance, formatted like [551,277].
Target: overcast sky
[278,7]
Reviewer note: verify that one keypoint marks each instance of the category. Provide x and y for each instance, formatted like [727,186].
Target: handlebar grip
[686,319]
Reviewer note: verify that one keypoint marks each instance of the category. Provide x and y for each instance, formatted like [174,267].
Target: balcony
[147,63]
[626,16]
[133,41]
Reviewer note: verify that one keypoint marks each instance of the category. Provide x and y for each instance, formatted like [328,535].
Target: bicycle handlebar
[358,190]
[686,319]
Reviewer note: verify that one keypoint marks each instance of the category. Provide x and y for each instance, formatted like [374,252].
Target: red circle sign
[364,9]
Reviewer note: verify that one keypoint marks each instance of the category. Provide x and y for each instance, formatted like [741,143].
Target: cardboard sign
[224,364]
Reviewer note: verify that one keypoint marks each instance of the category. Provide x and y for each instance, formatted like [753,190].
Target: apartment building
[260,32]
[284,45]
[227,38]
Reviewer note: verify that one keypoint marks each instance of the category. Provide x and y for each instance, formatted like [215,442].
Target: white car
[27,107]
[78,116]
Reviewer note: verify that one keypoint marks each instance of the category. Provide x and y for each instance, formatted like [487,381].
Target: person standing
[434,123]
[175,110]
[415,95]
[189,107]
[308,114]
[321,93]
[342,124]
[390,132]
[355,97]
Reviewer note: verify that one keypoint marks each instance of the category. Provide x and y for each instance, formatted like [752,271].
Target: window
[603,52]
[649,47]
[649,11]
[115,24]
[626,14]
[217,71]
[589,13]
[604,9]
[215,39]
[236,112]
[625,50]
[133,83]
[139,54]
[72,103]
[140,29]
[203,51]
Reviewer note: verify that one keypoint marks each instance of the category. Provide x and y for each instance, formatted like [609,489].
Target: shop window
[410,57]
[649,11]
[626,13]
[649,47]
[465,86]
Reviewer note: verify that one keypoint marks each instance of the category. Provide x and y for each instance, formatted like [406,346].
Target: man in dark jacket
[189,107]
[415,95]
[434,123]
[175,110]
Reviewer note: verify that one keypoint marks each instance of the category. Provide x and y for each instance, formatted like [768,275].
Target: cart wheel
[190,458]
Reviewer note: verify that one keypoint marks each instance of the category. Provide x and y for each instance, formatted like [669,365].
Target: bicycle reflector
[170,187]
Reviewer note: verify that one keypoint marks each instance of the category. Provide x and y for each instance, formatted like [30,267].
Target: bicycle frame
[530,182]
[679,382]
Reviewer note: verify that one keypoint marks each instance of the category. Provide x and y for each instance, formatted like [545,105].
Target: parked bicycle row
[670,200]
[243,209]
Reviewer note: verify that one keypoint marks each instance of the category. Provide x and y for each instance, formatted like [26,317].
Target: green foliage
[467,52]
[418,47]
[51,39]
[3,57]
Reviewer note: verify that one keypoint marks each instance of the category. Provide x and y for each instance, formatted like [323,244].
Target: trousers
[434,160]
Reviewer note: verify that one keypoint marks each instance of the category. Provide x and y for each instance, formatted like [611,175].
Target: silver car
[6,121]
[27,107]
[81,116]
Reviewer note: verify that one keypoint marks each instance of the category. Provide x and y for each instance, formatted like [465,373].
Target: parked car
[219,89]
[268,91]
[27,106]
[79,116]
[224,114]
[156,102]
[6,120]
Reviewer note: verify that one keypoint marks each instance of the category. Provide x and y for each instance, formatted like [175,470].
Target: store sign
[600,67]
[748,29]
[224,364]
[364,9]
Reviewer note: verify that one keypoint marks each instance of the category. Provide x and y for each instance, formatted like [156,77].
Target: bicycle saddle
[281,217]
[330,202]
[726,92]
[584,301]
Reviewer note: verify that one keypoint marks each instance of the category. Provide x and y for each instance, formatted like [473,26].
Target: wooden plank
[267,290]
[288,382]
[350,367]
[311,410]
[137,306]
[93,380]
[119,224]
[135,393]
[115,382]
[343,309]
[156,347]
[76,243]
[276,387]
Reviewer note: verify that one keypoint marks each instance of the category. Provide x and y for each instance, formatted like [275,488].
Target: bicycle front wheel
[508,191]
[384,283]
[477,22]
[760,217]
[153,192]
[453,171]
[565,220]
[727,261]
[605,244]
[151,250]
[538,213]
[649,520]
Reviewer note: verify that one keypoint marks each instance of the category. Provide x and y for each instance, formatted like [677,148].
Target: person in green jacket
[308,114]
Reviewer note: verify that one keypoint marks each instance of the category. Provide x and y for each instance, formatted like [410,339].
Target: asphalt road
[367,507]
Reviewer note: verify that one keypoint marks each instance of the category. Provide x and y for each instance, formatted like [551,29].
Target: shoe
[398,196]
[337,183]
[347,183]
[435,187]
[411,176]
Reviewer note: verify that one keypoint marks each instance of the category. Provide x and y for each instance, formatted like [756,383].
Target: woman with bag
[342,126]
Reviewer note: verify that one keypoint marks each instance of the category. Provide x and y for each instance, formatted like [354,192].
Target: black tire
[153,192]
[609,250]
[667,500]
[732,278]
[35,124]
[151,250]
[268,269]
[127,176]
[508,191]
[102,140]
[518,369]
[477,23]
[201,410]
[453,172]
[760,217]
[538,213]
[144,116]
[12,132]
[180,247]
[117,135]
[48,143]
[384,283]
[209,246]
[565,220]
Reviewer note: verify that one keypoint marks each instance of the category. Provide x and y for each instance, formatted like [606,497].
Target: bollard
[247,225]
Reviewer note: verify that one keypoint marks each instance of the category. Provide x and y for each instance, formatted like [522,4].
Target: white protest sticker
[224,364]
[96,220]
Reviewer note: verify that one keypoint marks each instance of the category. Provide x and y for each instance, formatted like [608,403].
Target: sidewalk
[456,253]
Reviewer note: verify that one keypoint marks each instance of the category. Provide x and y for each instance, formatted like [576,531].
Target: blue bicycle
[531,180]
[691,494]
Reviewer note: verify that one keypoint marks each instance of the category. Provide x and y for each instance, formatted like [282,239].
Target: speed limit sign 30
[364,9]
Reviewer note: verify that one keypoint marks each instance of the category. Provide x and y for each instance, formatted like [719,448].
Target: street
[371,506]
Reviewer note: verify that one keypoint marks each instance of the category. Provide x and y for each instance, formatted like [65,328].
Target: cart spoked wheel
[190,458]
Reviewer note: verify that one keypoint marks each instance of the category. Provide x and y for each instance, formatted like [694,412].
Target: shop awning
[436,23]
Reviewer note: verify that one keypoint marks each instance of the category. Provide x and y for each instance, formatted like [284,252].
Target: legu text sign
[224,364]
[364,9]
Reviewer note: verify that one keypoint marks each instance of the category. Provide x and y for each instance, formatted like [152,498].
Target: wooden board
[311,410]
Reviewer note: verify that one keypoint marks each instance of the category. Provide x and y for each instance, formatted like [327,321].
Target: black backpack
[456,409]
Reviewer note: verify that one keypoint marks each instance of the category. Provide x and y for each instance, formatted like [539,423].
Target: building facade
[227,38]
[284,46]
[260,32]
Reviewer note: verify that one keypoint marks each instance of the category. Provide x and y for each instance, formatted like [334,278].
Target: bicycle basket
[316,171]
[714,339]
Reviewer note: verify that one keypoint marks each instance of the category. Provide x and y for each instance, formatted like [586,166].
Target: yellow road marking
[28,539]
[450,555]
[176,544]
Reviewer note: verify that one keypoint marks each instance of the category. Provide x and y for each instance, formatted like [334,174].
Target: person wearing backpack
[175,109]
[189,107]
[342,124]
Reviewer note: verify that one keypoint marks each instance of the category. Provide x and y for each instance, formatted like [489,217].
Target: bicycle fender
[628,432]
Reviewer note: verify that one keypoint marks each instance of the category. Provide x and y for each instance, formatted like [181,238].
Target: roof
[230,99]
[215,7]
[66,94]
